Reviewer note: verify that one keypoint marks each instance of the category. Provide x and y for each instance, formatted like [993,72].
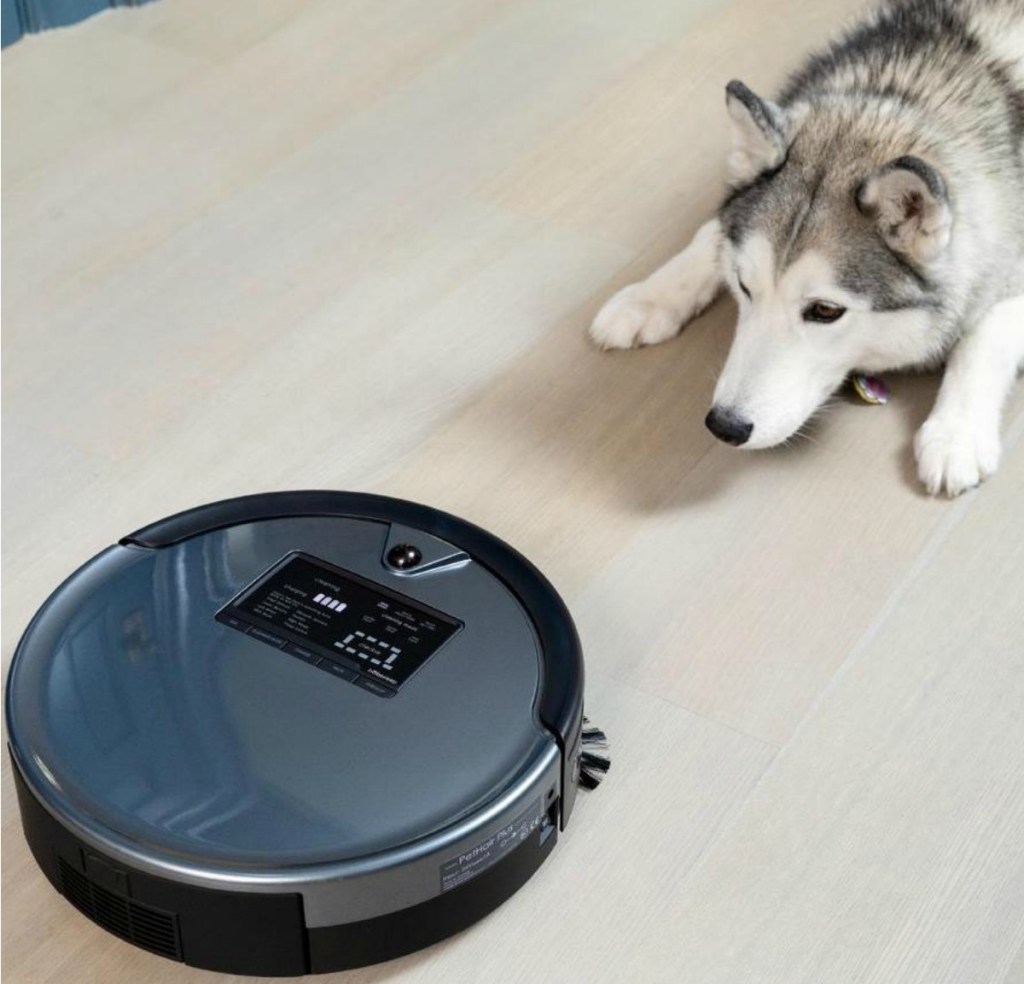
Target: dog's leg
[959,445]
[656,309]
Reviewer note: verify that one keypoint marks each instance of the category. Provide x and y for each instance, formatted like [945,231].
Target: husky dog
[875,221]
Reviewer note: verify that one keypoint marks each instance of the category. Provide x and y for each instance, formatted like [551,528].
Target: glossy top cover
[136,713]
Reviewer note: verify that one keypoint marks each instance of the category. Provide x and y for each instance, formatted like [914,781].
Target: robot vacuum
[296,732]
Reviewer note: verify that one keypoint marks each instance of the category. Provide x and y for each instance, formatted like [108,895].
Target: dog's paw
[631,318]
[955,453]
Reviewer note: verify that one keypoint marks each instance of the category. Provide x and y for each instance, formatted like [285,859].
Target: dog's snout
[728,426]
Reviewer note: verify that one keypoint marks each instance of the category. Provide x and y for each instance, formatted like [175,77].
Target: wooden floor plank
[886,843]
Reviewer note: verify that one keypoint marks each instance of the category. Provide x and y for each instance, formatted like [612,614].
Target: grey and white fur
[875,222]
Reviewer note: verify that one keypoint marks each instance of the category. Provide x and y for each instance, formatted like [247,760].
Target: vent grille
[151,929]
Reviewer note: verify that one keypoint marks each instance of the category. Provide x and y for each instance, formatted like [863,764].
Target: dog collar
[871,389]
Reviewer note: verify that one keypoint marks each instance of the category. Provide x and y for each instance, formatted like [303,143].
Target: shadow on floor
[629,426]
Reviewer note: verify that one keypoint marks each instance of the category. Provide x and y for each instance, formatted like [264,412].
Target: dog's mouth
[757,418]
[733,427]
[757,432]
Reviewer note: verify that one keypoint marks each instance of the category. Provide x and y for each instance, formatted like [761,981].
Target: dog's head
[829,246]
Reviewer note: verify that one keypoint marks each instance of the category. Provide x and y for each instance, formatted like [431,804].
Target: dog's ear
[907,199]
[760,134]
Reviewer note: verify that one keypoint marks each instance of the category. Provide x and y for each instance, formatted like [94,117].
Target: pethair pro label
[476,860]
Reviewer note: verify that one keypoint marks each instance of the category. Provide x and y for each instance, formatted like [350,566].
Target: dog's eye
[823,312]
[743,287]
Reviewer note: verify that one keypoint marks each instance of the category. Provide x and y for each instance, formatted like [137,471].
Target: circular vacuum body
[296,732]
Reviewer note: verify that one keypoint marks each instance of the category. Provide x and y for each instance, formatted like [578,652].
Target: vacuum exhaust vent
[139,924]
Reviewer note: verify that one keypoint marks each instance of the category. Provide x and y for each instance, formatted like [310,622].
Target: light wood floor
[266,244]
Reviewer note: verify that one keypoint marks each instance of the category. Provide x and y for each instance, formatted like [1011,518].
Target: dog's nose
[728,426]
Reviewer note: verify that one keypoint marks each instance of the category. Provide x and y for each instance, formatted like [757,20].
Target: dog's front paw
[631,318]
[955,453]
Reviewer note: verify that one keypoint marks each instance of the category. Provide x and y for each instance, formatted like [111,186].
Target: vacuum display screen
[322,612]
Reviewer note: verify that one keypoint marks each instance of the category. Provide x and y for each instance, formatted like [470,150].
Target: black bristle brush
[595,760]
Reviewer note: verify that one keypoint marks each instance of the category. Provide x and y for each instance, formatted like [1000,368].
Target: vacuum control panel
[340,621]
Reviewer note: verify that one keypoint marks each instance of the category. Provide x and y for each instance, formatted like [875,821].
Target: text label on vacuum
[476,860]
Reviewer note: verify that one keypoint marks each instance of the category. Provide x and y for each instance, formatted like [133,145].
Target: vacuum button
[302,653]
[338,670]
[404,556]
[374,688]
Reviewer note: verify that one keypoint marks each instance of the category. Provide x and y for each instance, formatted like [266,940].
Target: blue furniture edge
[20,17]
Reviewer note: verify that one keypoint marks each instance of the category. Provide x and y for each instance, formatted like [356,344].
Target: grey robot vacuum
[297,732]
